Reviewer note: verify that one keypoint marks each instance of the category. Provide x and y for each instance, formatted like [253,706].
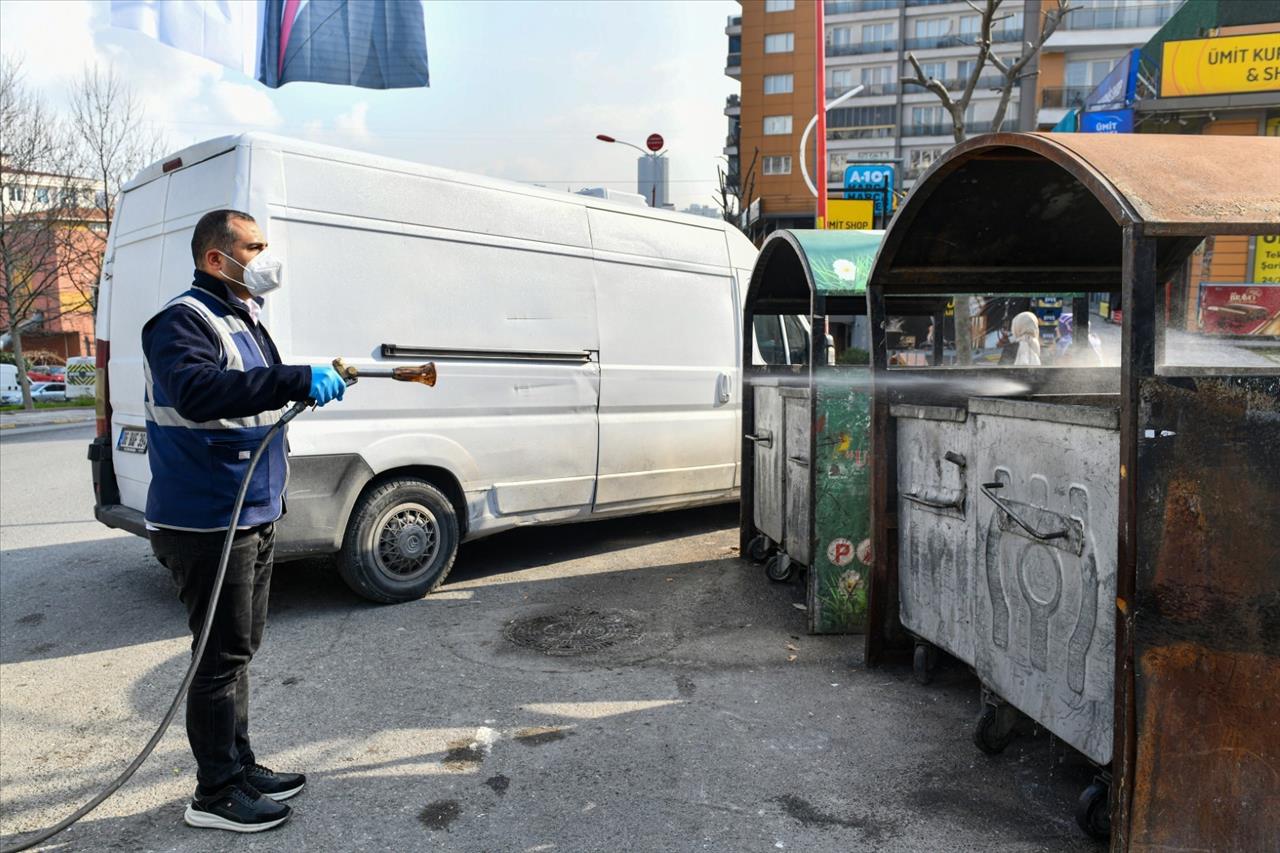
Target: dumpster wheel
[778,568]
[995,727]
[759,548]
[1093,810]
[924,661]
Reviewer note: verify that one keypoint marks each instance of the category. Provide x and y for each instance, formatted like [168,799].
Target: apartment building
[771,53]
[1089,43]
[866,43]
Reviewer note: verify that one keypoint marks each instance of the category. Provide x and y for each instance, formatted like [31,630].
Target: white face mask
[262,274]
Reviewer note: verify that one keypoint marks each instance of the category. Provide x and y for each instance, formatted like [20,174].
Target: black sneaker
[238,808]
[277,786]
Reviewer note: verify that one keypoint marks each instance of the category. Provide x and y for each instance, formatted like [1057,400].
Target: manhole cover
[574,632]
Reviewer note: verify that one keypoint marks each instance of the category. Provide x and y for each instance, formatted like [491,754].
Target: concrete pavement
[424,726]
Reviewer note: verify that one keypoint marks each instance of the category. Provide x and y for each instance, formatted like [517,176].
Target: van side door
[669,400]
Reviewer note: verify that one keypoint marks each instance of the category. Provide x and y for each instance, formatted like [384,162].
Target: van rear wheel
[401,542]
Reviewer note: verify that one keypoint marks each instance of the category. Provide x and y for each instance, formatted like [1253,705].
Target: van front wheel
[400,543]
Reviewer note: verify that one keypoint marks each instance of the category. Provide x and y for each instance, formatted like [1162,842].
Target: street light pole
[653,155]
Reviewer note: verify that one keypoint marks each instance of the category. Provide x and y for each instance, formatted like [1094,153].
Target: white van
[10,390]
[587,350]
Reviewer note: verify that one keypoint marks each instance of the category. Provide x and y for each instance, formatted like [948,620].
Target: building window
[841,78]
[779,84]
[970,25]
[963,69]
[878,32]
[42,195]
[926,115]
[839,36]
[777,125]
[877,75]
[779,5]
[780,43]
[936,70]
[780,165]
[17,194]
[1088,72]
[919,159]
[861,116]
[932,27]
[1011,24]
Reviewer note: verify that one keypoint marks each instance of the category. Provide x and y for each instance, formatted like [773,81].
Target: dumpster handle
[799,460]
[764,439]
[955,503]
[1044,537]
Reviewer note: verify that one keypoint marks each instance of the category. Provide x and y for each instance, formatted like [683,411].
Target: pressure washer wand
[424,374]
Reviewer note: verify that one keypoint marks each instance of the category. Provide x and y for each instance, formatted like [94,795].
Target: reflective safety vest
[197,466]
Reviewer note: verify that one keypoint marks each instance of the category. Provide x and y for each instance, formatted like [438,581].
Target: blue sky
[518,89]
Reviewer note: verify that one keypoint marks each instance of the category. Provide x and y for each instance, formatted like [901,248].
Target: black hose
[45,834]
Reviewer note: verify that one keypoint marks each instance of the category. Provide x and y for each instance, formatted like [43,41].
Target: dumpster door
[1206,615]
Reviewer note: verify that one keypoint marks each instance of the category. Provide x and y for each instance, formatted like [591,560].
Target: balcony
[733,65]
[868,89]
[1064,97]
[862,47]
[732,105]
[960,40]
[957,84]
[880,131]
[1119,17]
[945,129]
[847,7]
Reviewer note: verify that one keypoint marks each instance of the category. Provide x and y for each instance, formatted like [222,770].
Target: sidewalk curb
[50,422]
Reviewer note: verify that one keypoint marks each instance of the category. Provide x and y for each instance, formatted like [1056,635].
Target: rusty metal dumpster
[805,482]
[1101,543]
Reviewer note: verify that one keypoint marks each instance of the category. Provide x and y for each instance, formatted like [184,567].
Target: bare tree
[1012,72]
[107,123]
[734,197]
[38,200]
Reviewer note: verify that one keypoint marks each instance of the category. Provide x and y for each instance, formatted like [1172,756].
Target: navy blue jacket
[215,388]
[184,357]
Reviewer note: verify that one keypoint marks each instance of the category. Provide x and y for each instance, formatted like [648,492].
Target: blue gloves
[326,385]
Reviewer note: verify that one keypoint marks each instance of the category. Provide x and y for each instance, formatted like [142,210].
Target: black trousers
[218,702]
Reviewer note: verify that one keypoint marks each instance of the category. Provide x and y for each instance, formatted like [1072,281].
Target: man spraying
[214,387]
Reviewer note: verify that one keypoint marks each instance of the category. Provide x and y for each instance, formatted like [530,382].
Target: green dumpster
[806,410]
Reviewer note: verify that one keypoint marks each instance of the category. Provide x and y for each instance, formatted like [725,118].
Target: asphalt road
[423,727]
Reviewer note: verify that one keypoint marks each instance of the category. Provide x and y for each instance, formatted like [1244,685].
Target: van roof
[201,151]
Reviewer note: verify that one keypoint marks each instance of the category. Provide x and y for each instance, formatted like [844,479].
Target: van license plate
[132,440]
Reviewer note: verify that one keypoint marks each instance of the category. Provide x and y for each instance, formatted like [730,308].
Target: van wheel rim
[406,541]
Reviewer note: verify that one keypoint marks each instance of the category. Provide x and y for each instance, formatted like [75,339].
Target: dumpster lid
[1025,210]
[795,265]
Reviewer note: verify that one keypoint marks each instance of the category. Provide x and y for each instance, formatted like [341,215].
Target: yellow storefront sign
[1221,66]
[1266,259]
[851,214]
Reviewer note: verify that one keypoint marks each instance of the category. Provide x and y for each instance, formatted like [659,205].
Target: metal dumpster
[1100,543]
[805,482]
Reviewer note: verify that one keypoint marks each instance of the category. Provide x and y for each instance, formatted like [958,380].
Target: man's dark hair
[213,231]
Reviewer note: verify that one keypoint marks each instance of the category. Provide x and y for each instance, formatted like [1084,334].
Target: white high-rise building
[651,180]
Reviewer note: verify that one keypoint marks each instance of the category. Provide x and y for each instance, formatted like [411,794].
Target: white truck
[588,351]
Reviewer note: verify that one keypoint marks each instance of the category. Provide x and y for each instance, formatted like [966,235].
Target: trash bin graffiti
[806,449]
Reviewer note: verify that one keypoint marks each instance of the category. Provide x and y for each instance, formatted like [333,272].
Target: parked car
[47,392]
[47,373]
[589,350]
